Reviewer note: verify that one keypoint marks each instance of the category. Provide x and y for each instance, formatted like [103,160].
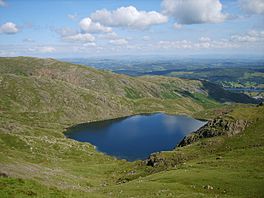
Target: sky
[86,28]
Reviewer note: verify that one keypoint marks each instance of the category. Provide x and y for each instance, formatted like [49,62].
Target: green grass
[131,93]
[40,98]
[238,171]
[26,188]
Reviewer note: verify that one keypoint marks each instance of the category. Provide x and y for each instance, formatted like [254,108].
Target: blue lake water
[135,137]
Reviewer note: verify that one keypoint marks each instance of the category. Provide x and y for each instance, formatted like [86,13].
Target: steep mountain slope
[40,97]
[74,93]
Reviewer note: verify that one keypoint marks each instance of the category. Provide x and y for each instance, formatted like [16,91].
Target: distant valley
[244,76]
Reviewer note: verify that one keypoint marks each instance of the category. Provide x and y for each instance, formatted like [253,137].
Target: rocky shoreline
[220,126]
[215,127]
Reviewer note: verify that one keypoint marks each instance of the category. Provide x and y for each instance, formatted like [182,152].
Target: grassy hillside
[41,97]
[71,93]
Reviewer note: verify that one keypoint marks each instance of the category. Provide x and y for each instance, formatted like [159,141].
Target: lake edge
[69,130]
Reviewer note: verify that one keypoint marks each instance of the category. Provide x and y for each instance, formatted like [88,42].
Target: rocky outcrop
[215,127]
[165,159]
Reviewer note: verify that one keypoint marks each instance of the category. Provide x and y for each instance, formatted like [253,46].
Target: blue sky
[85,28]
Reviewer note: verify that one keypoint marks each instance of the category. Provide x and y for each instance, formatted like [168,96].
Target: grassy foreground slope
[40,97]
[212,167]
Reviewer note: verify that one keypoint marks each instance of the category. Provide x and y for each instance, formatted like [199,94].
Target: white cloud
[63,32]
[206,43]
[110,35]
[46,49]
[252,6]
[89,44]
[204,39]
[203,43]
[118,41]
[87,25]
[2,3]
[83,38]
[113,38]
[128,17]
[251,36]
[194,11]
[42,49]
[244,38]
[72,16]
[146,38]
[70,35]
[182,44]
[28,40]
[177,26]
[249,39]
[8,28]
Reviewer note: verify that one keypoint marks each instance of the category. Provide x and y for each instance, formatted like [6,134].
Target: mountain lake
[135,137]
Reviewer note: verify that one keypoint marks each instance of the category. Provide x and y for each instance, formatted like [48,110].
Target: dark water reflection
[135,137]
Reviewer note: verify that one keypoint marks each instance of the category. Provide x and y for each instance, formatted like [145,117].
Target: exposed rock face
[169,160]
[152,160]
[215,127]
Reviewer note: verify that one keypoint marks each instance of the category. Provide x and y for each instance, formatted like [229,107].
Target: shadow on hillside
[219,94]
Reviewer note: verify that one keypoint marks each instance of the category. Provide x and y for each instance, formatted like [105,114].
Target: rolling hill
[41,97]
[74,93]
